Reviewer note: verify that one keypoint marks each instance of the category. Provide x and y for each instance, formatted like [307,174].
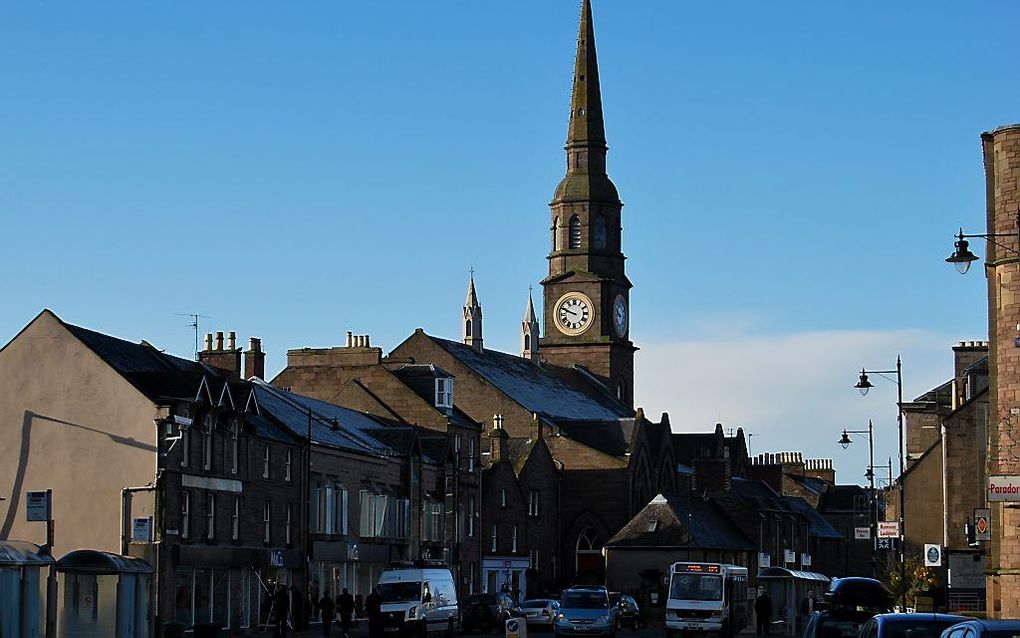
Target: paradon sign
[1003,488]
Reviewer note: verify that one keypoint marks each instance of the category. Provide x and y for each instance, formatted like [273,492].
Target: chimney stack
[216,356]
[499,441]
[254,360]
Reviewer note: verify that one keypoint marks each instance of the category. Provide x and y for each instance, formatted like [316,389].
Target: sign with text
[1003,488]
[982,524]
[888,529]
[275,558]
[805,560]
[789,556]
[37,506]
[862,533]
[141,530]
[764,560]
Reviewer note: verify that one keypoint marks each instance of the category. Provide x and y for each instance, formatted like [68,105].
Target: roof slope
[681,521]
[533,387]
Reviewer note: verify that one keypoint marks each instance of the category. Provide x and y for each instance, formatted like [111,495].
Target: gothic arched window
[575,232]
[527,342]
[556,223]
[467,328]
[600,232]
[588,554]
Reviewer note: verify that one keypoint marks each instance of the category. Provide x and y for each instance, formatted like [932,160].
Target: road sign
[932,555]
[982,524]
[888,529]
[1003,488]
[862,533]
[37,506]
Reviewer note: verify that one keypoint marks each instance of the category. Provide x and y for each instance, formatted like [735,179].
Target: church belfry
[587,294]
[473,317]
[530,333]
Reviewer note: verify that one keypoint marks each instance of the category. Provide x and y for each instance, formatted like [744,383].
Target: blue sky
[792,173]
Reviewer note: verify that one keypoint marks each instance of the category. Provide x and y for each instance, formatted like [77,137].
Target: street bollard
[516,628]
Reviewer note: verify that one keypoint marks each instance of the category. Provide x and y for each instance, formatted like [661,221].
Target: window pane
[221,597]
[183,591]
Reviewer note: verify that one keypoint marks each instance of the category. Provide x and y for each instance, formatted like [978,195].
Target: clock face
[573,313]
[620,316]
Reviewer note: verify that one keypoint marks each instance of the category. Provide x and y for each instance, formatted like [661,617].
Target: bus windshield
[696,587]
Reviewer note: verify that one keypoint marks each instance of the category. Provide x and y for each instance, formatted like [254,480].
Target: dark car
[909,625]
[488,611]
[628,612]
[849,603]
[974,628]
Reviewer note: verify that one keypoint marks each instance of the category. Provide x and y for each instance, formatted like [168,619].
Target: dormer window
[444,393]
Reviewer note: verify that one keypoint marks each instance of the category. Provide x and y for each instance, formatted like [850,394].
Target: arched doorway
[590,563]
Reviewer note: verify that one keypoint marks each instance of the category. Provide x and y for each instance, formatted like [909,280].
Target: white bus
[705,597]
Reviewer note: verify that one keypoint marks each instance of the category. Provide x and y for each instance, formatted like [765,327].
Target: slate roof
[535,388]
[606,436]
[818,526]
[157,375]
[681,521]
[841,498]
[811,483]
[763,498]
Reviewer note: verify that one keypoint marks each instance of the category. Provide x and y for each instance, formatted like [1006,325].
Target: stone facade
[1002,170]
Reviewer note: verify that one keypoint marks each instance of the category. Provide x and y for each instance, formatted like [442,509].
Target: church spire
[530,332]
[473,317]
[587,127]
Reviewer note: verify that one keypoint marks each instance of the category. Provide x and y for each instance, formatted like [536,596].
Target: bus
[707,597]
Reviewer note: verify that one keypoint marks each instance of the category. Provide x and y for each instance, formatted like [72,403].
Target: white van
[417,601]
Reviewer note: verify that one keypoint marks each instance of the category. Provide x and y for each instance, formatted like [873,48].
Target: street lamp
[864,385]
[845,441]
[962,257]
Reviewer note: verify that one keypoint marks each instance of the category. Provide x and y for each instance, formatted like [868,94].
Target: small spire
[530,332]
[587,127]
[473,317]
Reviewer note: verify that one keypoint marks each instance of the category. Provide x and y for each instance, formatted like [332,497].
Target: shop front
[506,574]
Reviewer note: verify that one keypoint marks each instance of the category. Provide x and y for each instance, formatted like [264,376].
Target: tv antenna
[195,321]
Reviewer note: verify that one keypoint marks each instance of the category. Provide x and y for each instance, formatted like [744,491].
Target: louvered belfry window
[575,232]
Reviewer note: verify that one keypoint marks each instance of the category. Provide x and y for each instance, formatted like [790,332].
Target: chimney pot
[219,340]
[231,340]
[350,339]
[368,341]
[208,341]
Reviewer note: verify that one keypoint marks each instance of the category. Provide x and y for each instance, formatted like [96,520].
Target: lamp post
[863,385]
[962,257]
[845,441]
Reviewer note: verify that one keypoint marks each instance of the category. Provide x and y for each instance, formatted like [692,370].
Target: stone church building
[562,443]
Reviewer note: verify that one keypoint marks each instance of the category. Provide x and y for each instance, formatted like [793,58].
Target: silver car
[540,612]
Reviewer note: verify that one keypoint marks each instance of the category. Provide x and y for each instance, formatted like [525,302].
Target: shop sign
[1003,488]
[888,529]
[862,533]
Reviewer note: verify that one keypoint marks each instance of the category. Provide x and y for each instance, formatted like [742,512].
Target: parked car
[628,612]
[849,603]
[974,628]
[909,625]
[540,612]
[585,611]
[488,611]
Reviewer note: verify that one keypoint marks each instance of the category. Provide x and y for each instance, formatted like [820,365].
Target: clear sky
[793,174]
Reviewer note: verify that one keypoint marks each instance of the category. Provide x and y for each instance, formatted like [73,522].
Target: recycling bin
[103,595]
[24,568]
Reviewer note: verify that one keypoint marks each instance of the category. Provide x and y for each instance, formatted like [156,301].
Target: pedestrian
[281,604]
[359,608]
[373,607]
[763,613]
[299,607]
[326,614]
[345,606]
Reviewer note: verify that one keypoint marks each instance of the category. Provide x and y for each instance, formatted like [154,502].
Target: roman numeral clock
[574,313]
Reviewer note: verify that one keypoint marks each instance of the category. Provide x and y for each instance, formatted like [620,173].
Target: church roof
[681,521]
[534,388]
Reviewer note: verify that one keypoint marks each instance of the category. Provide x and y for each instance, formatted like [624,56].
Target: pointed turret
[530,332]
[473,317]
[587,127]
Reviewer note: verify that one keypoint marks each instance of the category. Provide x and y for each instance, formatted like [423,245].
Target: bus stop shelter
[103,594]
[24,568]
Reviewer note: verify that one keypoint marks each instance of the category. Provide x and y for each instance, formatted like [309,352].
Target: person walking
[281,603]
[326,614]
[373,607]
[763,613]
[345,607]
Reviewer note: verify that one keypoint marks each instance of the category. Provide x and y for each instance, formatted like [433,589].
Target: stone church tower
[587,294]
[472,317]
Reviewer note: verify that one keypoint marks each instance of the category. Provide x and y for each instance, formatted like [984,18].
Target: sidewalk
[315,629]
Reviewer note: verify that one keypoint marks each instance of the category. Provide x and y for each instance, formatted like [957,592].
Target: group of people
[345,608]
